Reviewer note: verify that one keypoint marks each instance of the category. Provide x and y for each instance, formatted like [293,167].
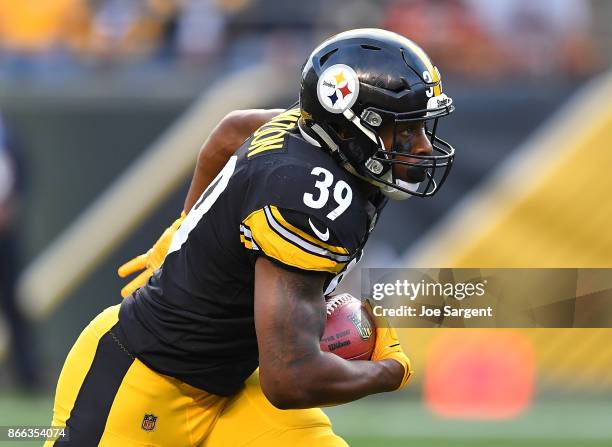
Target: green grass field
[489,442]
[377,421]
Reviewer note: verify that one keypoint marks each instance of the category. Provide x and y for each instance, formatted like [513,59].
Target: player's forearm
[331,380]
[290,317]
[221,144]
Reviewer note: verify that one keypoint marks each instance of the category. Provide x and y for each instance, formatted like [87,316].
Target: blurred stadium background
[105,102]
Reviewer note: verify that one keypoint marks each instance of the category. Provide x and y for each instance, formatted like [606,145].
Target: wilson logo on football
[338,88]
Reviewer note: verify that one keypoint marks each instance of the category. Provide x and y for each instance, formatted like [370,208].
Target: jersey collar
[306,136]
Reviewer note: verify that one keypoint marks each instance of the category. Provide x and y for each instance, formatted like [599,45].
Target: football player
[212,346]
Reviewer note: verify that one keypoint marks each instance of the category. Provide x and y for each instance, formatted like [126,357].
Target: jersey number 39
[342,193]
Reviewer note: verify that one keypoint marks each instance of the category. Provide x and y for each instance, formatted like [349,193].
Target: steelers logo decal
[338,88]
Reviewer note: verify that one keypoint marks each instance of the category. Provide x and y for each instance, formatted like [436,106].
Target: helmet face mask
[426,173]
[363,85]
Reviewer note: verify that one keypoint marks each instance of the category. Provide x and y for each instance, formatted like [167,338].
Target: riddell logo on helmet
[439,101]
[338,88]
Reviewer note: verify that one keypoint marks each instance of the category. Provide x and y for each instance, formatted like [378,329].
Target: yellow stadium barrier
[548,206]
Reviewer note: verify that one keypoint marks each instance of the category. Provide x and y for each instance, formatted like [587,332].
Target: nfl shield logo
[148,422]
[362,324]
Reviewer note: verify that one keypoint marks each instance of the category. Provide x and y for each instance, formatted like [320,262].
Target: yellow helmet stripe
[433,71]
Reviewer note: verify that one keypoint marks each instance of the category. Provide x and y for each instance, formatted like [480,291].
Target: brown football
[349,331]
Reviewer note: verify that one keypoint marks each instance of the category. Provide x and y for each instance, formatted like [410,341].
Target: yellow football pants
[107,398]
[250,420]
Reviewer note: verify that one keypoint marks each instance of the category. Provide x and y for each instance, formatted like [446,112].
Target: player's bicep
[289,321]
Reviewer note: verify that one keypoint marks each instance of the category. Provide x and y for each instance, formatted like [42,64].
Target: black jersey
[279,197]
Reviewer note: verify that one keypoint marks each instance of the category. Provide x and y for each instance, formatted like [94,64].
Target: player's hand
[150,261]
[388,347]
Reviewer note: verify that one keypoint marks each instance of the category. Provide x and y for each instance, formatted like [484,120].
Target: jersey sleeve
[277,234]
[278,223]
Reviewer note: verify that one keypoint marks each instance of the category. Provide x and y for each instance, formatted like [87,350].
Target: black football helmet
[358,82]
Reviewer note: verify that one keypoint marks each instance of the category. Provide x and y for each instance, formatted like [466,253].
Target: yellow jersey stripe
[296,240]
[278,247]
[246,242]
[278,216]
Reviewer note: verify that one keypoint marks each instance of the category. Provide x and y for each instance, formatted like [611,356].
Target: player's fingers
[127,290]
[132,266]
[386,335]
[136,283]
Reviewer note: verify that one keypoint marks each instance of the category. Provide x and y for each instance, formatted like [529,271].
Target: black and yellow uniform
[192,324]
[107,397]
[194,319]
